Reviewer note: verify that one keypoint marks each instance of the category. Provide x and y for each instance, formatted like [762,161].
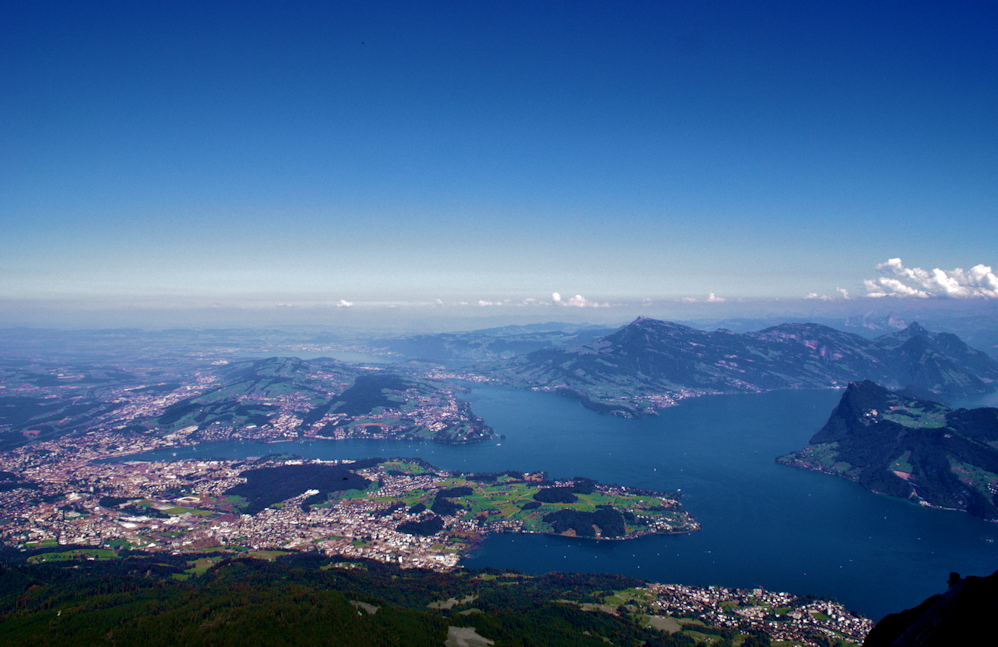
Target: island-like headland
[909,447]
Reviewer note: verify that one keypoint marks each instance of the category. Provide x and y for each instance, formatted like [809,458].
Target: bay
[764,525]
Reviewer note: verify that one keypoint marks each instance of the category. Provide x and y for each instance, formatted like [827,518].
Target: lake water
[764,524]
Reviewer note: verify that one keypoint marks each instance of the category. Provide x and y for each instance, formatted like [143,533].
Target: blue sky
[183,154]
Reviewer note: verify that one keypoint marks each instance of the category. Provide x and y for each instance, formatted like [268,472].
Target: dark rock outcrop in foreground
[963,615]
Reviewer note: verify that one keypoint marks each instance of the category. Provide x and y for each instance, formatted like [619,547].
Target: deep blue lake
[763,524]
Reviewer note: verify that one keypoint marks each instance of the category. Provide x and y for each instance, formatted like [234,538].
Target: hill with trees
[650,364]
[305,599]
[908,447]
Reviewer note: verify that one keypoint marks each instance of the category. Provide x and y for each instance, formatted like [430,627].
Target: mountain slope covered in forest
[910,448]
[651,363]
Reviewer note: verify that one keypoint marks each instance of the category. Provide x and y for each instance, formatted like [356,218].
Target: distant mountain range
[910,448]
[258,399]
[287,397]
[651,363]
[491,343]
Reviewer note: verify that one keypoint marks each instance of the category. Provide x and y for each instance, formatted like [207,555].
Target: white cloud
[844,292]
[979,282]
[578,301]
[711,298]
[344,304]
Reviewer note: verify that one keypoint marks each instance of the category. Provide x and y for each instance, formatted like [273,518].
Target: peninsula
[400,511]
[909,447]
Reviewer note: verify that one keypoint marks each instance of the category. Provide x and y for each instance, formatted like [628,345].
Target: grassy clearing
[117,544]
[916,417]
[662,623]
[201,565]
[901,463]
[81,553]
[350,494]
[974,474]
[193,511]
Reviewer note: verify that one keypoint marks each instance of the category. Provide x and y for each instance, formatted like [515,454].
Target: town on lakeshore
[73,486]
[67,477]
[791,619]
[62,501]
[399,511]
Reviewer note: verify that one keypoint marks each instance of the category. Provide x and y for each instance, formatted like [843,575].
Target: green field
[492,503]
[916,416]
[75,554]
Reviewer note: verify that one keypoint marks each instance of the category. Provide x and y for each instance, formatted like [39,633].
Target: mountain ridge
[651,363]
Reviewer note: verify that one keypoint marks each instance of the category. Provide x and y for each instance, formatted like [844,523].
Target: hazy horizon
[191,164]
[431,318]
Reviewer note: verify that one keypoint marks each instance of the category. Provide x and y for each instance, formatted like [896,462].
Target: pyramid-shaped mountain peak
[915,328]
